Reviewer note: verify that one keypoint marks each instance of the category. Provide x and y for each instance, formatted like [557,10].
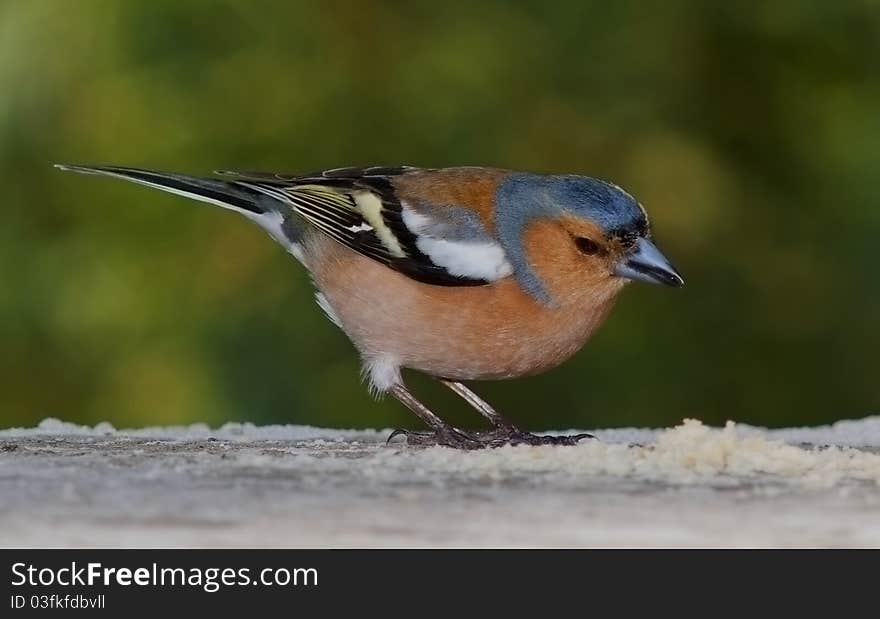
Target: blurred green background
[751,132]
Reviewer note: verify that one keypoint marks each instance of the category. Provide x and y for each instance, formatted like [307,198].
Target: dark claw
[415,438]
[450,437]
[579,437]
[397,432]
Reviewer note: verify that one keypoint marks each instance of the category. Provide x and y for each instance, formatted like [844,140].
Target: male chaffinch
[462,273]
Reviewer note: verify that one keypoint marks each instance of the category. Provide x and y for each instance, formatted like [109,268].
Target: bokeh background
[751,131]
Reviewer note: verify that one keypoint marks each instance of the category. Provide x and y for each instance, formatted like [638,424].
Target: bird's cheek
[575,275]
[552,256]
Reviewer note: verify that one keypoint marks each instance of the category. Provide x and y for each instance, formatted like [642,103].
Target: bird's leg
[443,433]
[504,432]
[478,403]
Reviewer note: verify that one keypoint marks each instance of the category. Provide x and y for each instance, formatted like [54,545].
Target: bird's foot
[497,437]
[449,437]
[511,435]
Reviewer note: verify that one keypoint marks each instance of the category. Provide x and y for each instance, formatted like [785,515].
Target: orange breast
[463,333]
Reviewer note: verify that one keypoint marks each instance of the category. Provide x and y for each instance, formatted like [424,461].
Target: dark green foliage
[751,133]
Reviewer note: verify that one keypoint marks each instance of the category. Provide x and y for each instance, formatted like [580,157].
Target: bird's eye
[587,246]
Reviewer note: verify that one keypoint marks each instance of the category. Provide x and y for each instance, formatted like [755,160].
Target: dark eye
[587,246]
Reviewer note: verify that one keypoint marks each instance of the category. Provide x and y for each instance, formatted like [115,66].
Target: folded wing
[359,208]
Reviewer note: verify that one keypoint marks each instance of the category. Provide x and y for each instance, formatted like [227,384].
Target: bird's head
[574,232]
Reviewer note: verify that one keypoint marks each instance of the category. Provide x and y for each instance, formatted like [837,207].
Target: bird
[461,273]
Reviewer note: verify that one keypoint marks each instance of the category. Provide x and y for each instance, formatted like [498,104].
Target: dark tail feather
[220,193]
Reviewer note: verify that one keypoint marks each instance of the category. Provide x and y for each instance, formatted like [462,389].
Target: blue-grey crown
[613,209]
[524,197]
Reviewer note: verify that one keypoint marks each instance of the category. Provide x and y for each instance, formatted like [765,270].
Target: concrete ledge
[281,486]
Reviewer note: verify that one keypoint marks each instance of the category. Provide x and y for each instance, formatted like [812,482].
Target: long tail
[272,215]
[219,193]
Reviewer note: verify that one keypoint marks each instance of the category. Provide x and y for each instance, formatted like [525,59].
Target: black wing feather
[335,213]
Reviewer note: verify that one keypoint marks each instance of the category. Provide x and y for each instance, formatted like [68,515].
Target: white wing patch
[472,258]
[364,227]
[415,221]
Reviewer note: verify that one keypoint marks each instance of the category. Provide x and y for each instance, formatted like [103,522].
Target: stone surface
[284,486]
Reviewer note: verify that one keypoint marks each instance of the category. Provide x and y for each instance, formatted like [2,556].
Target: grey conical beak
[646,264]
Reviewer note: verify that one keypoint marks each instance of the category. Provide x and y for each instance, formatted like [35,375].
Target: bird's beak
[645,263]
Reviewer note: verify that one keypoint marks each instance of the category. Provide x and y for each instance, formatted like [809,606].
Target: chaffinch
[464,273]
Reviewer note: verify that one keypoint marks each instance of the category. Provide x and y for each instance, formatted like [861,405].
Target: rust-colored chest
[463,333]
